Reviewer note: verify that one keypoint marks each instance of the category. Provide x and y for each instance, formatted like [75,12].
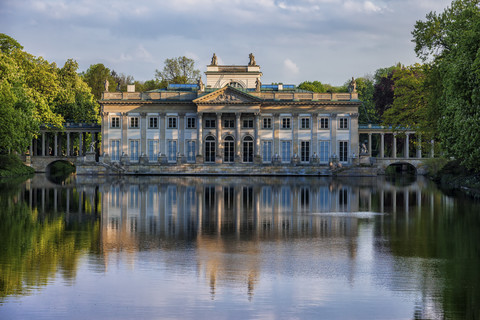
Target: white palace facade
[233,120]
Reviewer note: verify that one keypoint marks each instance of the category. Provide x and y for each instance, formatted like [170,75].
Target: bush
[12,166]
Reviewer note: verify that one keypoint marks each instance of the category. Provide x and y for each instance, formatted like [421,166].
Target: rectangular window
[286,123]
[267,151]
[324,149]
[134,122]
[115,122]
[343,123]
[304,123]
[153,123]
[286,150]
[210,123]
[191,123]
[323,123]
[248,123]
[191,150]
[115,150]
[343,154]
[172,150]
[267,123]
[152,150]
[133,150]
[305,151]
[172,123]
[229,123]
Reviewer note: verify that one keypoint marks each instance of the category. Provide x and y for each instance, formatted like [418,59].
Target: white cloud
[359,6]
[290,66]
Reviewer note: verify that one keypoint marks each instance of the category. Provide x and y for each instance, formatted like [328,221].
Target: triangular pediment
[228,95]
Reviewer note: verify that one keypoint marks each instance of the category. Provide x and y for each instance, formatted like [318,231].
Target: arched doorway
[248,149]
[228,149]
[210,149]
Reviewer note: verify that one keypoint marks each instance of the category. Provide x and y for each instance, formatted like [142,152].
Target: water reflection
[365,238]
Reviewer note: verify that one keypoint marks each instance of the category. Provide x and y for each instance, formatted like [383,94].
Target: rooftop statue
[214,60]
[252,60]
[352,88]
[258,85]
[201,86]
[106,84]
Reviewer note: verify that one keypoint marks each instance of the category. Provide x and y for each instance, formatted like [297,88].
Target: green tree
[451,42]
[178,70]
[95,77]
[313,86]
[365,89]
[8,44]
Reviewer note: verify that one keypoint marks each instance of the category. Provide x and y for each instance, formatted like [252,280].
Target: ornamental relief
[226,98]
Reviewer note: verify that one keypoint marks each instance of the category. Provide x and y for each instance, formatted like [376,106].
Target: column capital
[238,115]
[162,114]
[219,114]
[124,114]
[333,116]
[354,115]
[104,113]
[181,114]
[143,114]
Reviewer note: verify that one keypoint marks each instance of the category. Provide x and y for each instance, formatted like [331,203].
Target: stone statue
[92,146]
[252,60]
[214,60]
[106,84]
[258,85]
[352,88]
[201,86]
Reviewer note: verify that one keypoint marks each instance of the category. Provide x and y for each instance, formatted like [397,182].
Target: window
[343,156]
[286,150]
[248,149]
[133,150]
[228,149]
[115,122]
[304,123]
[267,151]
[191,150]
[172,122]
[172,150]
[191,123]
[323,123]
[234,84]
[152,150]
[210,146]
[134,122]
[286,123]
[267,123]
[305,151]
[343,123]
[152,122]
[115,150]
[229,123]
[248,123]
[323,147]
[210,123]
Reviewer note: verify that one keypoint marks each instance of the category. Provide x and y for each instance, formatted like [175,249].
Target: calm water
[237,248]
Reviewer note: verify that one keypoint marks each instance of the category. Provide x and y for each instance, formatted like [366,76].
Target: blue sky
[293,41]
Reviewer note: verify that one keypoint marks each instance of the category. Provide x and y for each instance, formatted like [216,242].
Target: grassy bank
[11,166]
[454,176]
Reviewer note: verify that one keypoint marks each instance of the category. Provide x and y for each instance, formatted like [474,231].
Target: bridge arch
[60,166]
[401,167]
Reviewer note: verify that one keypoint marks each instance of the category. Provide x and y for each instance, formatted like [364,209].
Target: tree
[365,89]
[95,77]
[8,44]
[451,42]
[313,86]
[178,70]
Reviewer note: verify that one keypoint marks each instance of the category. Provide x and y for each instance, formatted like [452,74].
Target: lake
[237,248]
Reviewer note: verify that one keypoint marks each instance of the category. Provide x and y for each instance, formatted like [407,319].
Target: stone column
[369,144]
[333,134]
[105,128]
[143,133]
[200,135]
[238,138]
[43,144]
[124,133]
[394,155]
[419,147]
[68,144]
[257,135]
[218,132]
[354,137]
[55,146]
[432,150]
[407,146]
[163,126]
[295,135]
[80,141]
[382,145]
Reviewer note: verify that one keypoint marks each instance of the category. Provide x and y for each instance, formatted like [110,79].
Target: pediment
[228,95]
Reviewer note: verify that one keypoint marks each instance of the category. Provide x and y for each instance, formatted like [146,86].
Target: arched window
[235,84]
[248,149]
[228,149]
[210,149]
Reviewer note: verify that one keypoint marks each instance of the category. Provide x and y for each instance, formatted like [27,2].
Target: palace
[233,120]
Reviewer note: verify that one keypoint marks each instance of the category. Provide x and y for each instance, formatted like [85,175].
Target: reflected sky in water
[236,248]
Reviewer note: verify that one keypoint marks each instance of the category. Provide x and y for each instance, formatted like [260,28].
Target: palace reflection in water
[244,230]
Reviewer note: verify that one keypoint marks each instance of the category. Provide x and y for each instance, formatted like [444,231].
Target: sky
[293,41]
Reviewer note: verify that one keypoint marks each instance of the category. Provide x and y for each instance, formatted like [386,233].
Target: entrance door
[343,156]
[228,149]
[248,149]
[210,149]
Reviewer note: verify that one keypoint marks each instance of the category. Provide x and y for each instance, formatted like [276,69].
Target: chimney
[131,88]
